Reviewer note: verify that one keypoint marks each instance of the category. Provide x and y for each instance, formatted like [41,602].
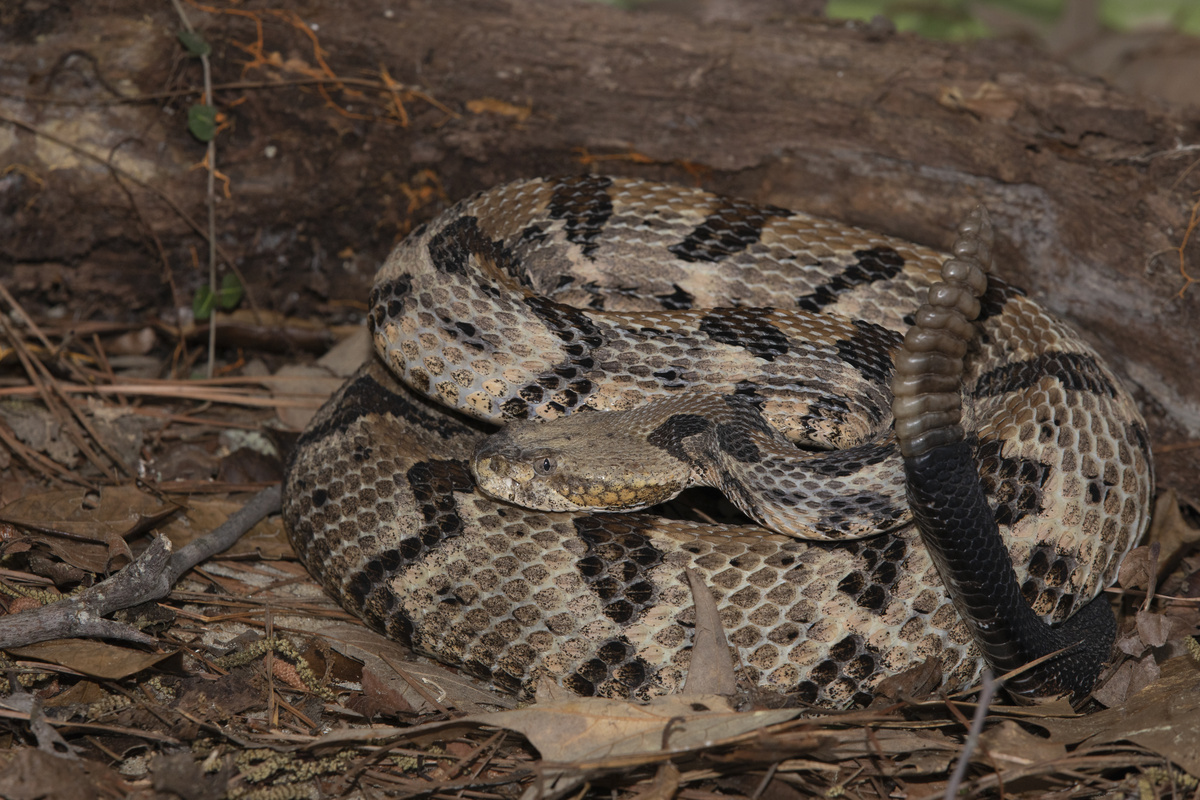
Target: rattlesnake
[542,298]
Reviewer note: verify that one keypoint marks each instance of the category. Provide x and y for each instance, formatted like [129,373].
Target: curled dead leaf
[586,729]
[711,670]
[1153,629]
[915,682]
[267,539]
[1170,530]
[1139,568]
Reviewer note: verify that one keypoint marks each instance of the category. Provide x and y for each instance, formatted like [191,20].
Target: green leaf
[202,122]
[231,292]
[203,303]
[226,298]
[194,43]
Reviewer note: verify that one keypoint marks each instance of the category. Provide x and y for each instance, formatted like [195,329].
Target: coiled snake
[733,345]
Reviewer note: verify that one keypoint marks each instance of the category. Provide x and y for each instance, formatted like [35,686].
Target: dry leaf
[92,658]
[85,528]
[1169,530]
[593,728]
[266,540]
[1115,689]
[32,774]
[83,693]
[181,775]
[305,391]
[664,786]
[84,514]
[711,668]
[548,692]
[1010,744]
[344,358]
[1138,569]
[1153,629]
[585,729]
[37,427]
[1162,718]
[914,682]
[385,692]
[390,691]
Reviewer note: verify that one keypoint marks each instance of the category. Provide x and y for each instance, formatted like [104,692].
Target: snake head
[584,462]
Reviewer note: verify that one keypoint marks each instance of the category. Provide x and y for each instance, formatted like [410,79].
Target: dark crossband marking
[998,293]
[616,661]
[452,247]
[731,228]
[678,299]
[734,439]
[748,416]
[387,301]
[844,463]
[433,484]
[750,328]
[869,351]
[1077,372]
[824,410]
[537,233]
[365,397]
[670,379]
[584,205]
[876,264]
[670,435]
[618,563]
[568,323]
[580,336]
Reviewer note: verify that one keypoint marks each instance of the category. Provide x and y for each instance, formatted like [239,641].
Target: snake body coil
[765,340]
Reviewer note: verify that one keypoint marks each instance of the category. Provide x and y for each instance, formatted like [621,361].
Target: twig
[150,577]
[986,691]
[72,419]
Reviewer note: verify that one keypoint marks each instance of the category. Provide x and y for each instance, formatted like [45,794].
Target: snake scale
[733,345]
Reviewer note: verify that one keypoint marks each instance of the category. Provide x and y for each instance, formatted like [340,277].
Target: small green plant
[202,118]
[194,43]
[202,122]
[226,298]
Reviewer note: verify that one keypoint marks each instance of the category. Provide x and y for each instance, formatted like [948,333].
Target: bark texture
[1090,190]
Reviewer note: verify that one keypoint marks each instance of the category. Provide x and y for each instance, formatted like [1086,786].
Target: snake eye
[544,465]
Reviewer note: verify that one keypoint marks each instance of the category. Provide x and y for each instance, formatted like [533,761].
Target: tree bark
[1090,190]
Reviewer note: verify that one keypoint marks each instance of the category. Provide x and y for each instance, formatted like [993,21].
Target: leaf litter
[259,683]
[259,686]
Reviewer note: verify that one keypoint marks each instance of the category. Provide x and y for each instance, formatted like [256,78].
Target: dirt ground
[338,128]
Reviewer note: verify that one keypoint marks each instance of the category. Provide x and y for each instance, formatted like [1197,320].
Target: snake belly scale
[545,299]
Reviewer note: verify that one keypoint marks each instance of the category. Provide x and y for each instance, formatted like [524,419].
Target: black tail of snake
[950,508]
[637,338]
